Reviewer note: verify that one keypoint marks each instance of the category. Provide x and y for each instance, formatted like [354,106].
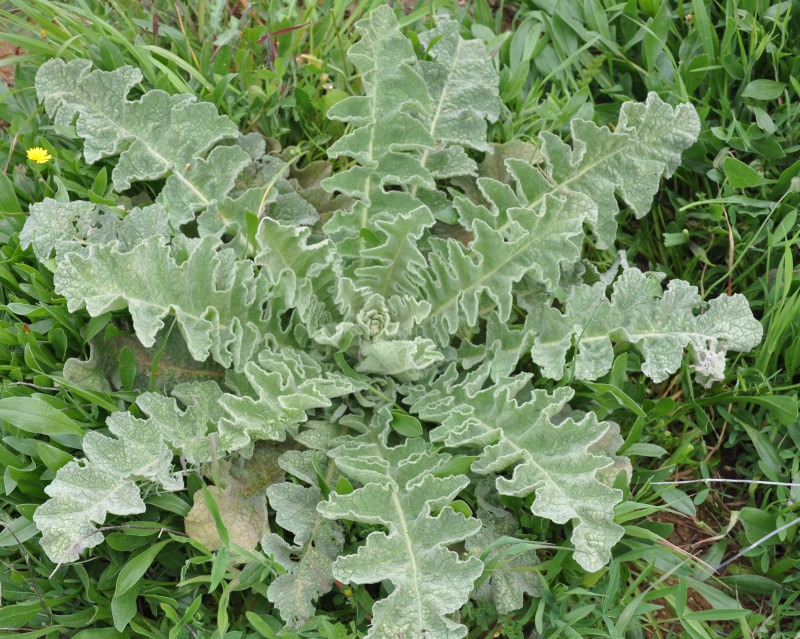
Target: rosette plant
[402,336]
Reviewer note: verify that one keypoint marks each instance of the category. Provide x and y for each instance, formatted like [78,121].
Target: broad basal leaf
[645,146]
[556,459]
[491,265]
[304,273]
[156,136]
[385,136]
[279,391]
[163,366]
[66,227]
[261,189]
[661,324]
[395,264]
[83,493]
[412,125]
[404,359]
[512,572]
[462,82]
[80,497]
[212,295]
[401,494]
[385,128]
[317,544]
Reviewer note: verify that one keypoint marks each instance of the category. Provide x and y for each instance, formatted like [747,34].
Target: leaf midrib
[149,148]
[565,183]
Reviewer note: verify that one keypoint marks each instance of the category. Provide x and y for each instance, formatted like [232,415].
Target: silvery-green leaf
[511,575]
[402,495]
[463,85]
[660,323]
[404,359]
[491,265]
[503,346]
[156,136]
[396,264]
[413,123]
[205,181]
[387,64]
[80,497]
[141,450]
[645,146]
[211,294]
[68,226]
[318,542]
[302,272]
[557,459]
[262,189]
[284,385]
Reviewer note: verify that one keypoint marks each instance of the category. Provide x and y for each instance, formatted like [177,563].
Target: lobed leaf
[317,544]
[555,458]
[660,324]
[511,574]
[645,146]
[401,493]
[64,227]
[491,265]
[84,493]
[277,392]
[215,298]
[156,136]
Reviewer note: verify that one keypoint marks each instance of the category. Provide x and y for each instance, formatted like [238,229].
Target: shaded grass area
[726,221]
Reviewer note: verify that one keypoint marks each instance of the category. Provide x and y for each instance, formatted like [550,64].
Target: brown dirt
[690,536]
[6,50]
[687,534]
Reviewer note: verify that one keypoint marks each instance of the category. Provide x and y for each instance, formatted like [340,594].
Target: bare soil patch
[7,50]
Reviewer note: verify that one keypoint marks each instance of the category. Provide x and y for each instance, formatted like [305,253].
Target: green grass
[726,220]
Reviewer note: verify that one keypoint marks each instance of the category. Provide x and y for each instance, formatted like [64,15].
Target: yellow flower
[39,155]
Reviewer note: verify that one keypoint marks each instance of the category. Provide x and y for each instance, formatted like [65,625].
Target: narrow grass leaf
[134,570]
[36,416]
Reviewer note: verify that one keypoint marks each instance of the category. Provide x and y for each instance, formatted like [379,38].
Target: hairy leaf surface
[214,297]
[512,572]
[301,310]
[645,146]
[401,494]
[317,544]
[660,324]
[552,457]
[158,135]
[83,494]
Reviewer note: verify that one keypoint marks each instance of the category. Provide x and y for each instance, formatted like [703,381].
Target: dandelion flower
[39,155]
